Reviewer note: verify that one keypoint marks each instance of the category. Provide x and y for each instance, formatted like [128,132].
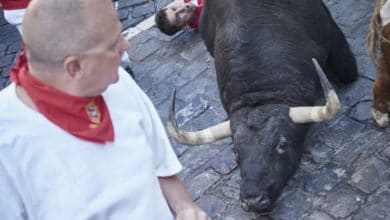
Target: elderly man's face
[100,64]
[181,15]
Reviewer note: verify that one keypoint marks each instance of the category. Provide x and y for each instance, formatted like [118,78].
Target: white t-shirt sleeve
[11,206]
[165,160]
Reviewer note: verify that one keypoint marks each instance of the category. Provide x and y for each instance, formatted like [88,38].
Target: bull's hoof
[381,118]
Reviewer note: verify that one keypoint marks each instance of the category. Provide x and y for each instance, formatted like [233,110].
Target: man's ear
[72,67]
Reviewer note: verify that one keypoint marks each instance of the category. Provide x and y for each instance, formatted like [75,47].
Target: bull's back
[263,49]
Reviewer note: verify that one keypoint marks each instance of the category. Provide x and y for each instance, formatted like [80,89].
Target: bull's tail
[375,31]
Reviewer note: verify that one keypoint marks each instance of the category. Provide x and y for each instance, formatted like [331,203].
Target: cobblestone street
[345,171]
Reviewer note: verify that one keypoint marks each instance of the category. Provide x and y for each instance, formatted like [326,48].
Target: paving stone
[14,48]
[126,24]
[156,33]
[307,163]
[6,71]
[166,69]
[190,72]
[6,30]
[202,182]
[292,206]
[234,179]
[212,205]
[11,37]
[143,10]
[359,150]
[335,135]
[231,192]
[143,70]
[318,215]
[325,179]
[123,14]
[127,3]
[371,176]
[356,92]
[225,162]
[2,19]
[362,111]
[194,52]
[196,157]
[160,93]
[341,202]
[196,88]
[140,51]
[145,83]
[2,49]
[140,39]
[6,60]
[162,3]
[321,153]
[377,206]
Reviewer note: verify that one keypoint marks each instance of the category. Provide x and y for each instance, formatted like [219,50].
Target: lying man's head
[172,19]
[79,38]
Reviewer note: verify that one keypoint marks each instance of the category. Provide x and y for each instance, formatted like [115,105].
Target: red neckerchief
[14,4]
[198,12]
[86,118]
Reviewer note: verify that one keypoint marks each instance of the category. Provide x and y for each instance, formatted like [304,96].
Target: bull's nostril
[260,203]
[264,202]
[244,206]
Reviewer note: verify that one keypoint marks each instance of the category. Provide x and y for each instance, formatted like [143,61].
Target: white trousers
[15,17]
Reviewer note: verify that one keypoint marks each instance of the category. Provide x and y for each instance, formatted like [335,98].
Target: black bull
[263,52]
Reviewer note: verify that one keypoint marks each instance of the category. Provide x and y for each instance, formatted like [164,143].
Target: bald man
[78,138]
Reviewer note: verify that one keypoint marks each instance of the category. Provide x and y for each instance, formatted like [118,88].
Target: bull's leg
[381,104]
[341,59]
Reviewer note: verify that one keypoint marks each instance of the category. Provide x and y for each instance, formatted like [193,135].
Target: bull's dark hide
[262,51]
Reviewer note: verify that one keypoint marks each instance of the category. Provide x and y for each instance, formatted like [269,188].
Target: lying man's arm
[179,200]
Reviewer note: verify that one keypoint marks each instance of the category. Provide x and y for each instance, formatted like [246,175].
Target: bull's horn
[318,113]
[204,136]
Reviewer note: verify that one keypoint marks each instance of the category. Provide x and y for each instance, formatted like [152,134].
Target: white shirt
[46,173]
[385,13]
[195,2]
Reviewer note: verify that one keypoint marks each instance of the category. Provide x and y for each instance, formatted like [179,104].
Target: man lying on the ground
[78,138]
[175,18]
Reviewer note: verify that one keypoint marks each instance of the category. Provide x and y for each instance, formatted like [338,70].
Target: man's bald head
[56,29]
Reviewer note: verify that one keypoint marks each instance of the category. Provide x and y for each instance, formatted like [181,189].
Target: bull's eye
[236,155]
[282,147]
